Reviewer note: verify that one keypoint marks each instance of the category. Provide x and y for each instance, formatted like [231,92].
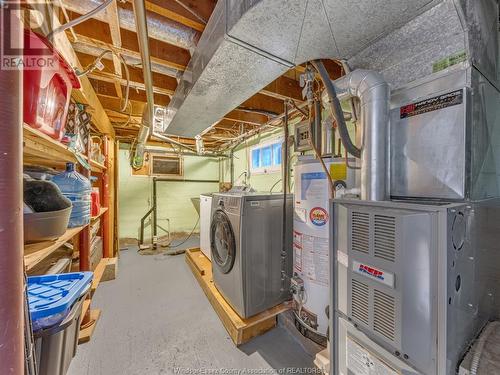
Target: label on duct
[432,104]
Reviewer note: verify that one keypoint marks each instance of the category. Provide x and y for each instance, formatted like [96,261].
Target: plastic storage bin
[52,296]
[48,81]
[56,346]
[55,303]
[77,189]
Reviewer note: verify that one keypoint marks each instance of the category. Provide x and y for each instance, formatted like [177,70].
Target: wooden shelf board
[40,149]
[101,212]
[34,253]
[97,167]
[39,146]
[98,272]
[86,332]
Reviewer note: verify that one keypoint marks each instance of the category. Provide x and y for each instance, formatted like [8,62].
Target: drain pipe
[148,115]
[374,94]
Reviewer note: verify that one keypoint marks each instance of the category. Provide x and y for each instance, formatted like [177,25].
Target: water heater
[311,241]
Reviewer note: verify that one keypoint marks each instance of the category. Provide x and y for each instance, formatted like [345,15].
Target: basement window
[162,165]
[266,158]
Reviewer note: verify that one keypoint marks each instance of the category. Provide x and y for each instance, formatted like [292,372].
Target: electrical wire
[276,183]
[79,20]
[93,66]
[169,245]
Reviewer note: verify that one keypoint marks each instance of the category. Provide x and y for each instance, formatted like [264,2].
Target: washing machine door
[222,241]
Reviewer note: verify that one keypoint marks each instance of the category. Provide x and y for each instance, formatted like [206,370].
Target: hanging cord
[79,20]
[275,184]
[169,245]
[93,66]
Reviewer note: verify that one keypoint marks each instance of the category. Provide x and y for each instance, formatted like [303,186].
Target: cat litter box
[45,226]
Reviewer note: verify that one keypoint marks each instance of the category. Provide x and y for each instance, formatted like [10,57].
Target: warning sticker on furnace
[432,104]
[361,362]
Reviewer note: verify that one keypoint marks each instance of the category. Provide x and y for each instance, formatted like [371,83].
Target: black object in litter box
[44,196]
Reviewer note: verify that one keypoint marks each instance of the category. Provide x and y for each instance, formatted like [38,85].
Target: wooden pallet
[240,330]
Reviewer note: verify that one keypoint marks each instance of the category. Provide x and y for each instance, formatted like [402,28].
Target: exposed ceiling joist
[107,89]
[85,40]
[165,12]
[163,84]
[112,78]
[261,102]
[284,88]
[114,28]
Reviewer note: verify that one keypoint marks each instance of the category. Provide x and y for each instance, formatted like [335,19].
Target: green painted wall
[174,198]
[260,182]
[264,182]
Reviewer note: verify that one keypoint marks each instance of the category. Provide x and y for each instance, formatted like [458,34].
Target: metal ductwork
[160,28]
[374,95]
[247,44]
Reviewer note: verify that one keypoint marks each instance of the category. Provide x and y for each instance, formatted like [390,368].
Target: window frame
[273,168]
[166,156]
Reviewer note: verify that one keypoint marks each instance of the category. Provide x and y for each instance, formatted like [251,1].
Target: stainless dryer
[246,237]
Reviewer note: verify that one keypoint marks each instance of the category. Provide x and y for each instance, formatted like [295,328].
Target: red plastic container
[48,81]
[95,205]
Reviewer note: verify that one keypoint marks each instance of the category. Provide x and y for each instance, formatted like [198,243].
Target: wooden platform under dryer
[240,330]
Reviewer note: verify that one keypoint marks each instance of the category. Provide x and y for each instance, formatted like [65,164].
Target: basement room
[208,187]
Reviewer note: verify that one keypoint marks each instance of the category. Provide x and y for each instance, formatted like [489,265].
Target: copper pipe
[11,220]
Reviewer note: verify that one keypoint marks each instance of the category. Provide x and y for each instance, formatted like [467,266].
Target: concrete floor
[156,320]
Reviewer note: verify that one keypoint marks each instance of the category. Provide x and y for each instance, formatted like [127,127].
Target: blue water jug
[77,189]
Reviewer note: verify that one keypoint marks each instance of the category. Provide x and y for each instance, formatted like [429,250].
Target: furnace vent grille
[384,315]
[385,238]
[360,232]
[359,301]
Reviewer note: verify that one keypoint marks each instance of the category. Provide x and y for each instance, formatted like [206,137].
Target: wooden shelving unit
[40,149]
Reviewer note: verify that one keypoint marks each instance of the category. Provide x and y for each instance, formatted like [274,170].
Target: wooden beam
[107,90]
[109,77]
[161,53]
[113,104]
[114,28]
[125,52]
[202,8]
[284,88]
[246,117]
[86,93]
[167,13]
[161,81]
[264,103]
